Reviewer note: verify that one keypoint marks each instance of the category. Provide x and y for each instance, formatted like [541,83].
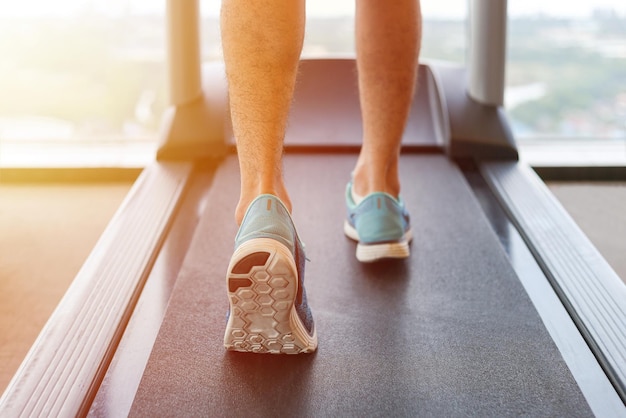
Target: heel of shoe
[262,283]
[367,253]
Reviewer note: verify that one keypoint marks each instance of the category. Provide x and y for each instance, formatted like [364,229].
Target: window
[80,81]
[91,75]
[566,70]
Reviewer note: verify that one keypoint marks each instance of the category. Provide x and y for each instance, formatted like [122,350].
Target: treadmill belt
[449,331]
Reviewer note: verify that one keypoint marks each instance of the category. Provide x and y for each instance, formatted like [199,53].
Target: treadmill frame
[67,364]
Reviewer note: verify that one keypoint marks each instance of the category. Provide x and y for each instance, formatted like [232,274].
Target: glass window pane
[93,71]
[566,71]
[79,72]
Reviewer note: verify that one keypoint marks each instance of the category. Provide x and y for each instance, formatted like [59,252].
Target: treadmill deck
[449,331]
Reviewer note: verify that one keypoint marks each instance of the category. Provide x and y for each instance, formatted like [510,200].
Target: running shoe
[268,312]
[380,224]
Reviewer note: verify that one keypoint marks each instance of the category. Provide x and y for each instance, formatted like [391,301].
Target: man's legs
[269,313]
[388,36]
[262,41]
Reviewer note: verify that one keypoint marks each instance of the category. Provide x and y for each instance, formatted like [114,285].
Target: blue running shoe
[380,224]
[269,312]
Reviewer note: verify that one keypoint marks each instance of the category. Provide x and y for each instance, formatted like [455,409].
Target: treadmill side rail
[63,369]
[588,287]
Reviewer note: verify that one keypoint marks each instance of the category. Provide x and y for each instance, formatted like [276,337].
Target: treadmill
[504,307]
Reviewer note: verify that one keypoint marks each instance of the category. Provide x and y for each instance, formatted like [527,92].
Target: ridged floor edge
[63,367]
[588,287]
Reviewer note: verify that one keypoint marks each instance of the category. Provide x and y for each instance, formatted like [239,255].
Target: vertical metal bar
[487,51]
[183,46]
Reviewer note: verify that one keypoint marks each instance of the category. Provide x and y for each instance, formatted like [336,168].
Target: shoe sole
[262,283]
[367,253]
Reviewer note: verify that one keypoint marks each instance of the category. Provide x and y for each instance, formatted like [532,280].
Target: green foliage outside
[580,79]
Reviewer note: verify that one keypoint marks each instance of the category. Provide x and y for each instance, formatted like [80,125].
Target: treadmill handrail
[487,51]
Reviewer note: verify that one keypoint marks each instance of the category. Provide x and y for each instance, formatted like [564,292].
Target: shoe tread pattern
[261,314]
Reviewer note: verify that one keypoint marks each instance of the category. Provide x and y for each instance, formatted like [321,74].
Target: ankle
[246,199]
[363,185]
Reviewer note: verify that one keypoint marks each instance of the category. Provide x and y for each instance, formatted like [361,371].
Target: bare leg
[388,36]
[262,41]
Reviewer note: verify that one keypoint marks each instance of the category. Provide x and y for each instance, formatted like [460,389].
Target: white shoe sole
[262,283]
[367,253]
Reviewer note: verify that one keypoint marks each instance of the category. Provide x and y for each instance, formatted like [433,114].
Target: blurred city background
[95,71]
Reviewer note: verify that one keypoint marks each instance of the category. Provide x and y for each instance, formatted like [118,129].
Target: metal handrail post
[183,51]
[487,51]
[194,123]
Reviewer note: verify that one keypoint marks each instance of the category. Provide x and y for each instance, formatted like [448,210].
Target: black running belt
[326,107]
[449,331]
